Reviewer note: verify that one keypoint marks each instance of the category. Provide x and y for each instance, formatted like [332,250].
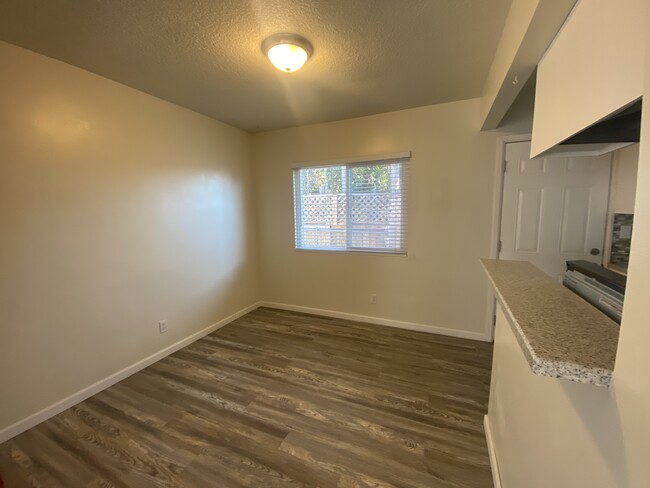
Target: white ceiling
[370,56]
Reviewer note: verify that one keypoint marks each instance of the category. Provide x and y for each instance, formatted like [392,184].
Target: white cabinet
[593,68]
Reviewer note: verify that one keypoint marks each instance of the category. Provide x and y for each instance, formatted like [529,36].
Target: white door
[554,209]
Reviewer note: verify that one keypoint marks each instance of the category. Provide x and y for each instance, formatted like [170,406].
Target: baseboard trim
[431,329]
[70,401]
[78,397]
[496,477]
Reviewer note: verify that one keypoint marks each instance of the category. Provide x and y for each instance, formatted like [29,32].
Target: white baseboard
[432,329]
[58,407]
[492,453]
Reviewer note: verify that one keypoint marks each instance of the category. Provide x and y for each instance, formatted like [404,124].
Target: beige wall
[580,86]
[440,283]
[550,432]
[530,27]
[517,23]
[519,117]
[553,432]
[622,189]
[117,210]
[633,360]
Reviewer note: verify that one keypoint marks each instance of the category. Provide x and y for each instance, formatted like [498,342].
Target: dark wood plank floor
[277,399]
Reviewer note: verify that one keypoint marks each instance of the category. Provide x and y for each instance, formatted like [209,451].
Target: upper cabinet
[593,68]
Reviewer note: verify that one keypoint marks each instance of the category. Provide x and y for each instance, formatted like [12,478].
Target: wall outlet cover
[162,326]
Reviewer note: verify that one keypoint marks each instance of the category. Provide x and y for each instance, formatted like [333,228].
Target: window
[352,207]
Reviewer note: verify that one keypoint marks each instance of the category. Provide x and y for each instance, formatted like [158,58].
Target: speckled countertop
[562,335]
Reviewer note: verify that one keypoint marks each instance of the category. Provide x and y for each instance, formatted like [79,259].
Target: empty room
[324,243]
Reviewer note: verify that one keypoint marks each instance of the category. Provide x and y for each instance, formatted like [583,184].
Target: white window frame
[403,158]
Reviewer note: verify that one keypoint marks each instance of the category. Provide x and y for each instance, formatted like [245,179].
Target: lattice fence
[330,208]
[372,208]
[376,218]
[325,209]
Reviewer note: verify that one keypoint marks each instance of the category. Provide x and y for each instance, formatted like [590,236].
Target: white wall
[440,283]
[550,432]
[625,166]
[117,210]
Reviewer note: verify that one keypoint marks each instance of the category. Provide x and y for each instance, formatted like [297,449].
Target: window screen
[352,207]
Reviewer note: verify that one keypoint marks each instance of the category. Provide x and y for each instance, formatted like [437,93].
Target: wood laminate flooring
[277,399]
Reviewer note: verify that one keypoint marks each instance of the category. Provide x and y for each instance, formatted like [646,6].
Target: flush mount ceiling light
[287,52]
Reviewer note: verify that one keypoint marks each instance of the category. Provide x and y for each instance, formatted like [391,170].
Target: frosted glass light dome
[287,52]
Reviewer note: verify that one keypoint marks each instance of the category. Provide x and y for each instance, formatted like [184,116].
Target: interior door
[553,209]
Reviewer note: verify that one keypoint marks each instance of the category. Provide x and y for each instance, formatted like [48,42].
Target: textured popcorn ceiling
[370,56]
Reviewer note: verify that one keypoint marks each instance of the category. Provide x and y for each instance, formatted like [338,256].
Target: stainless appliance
[601,287]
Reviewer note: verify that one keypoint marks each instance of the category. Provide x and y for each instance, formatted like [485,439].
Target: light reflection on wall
[205,213]
[59,124]
[208,218]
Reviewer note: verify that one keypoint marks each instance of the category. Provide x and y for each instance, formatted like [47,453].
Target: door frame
[497,202]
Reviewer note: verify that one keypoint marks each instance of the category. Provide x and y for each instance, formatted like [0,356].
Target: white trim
[358,159]
[58,407]
[496,476]
[496,220]
[498,186]
[580,150]
[85,393]
[431,329]
[352,250]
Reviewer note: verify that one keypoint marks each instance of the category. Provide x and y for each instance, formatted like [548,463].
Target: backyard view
[355,206]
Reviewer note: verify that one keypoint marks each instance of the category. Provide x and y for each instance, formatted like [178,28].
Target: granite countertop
[562,335]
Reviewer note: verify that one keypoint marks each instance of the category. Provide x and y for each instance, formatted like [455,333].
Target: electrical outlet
[162,326]
[373,299]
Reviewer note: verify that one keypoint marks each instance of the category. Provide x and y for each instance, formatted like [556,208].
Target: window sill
[349,251]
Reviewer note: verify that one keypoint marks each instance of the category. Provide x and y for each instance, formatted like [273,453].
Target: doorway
[553,209]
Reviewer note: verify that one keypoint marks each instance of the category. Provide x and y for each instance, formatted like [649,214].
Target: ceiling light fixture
[287,52]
